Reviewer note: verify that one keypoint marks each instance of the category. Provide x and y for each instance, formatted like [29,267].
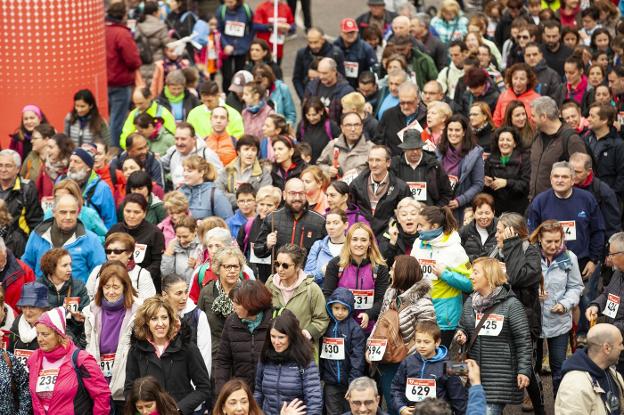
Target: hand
[408,410]
[228,50]
[487,181]
[78,316]
[558,309]
[365,319]
[306,334]
[192,262]
[498,184]
[271,239]
[438,269]
[394,233]
[283,27]
[591,313]
[170,251]
[333,172]
[474,372]
[543,295]
[523,381]
[460,338]
[453,204]
[295,407]
[509,233]
[589,269]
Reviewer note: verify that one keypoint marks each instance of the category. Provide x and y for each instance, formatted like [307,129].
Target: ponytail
[440,215]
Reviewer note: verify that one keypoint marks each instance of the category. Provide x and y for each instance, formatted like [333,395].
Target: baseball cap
[348,25]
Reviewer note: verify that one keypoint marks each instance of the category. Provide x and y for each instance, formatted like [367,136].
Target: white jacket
[204,339]
[172,161]
[140,277]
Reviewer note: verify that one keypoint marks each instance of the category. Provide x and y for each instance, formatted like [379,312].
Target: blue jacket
[342,372]
[84,247]
[284,104]
[580,207]
[448,388]
[278,383]
[97,194]
[235,222]
[242,14]
[201,199]
[318,257]
[476,400]
[359,52]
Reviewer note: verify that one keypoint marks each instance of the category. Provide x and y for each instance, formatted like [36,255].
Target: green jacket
[424,67]
[199,118]
[155,110]
[163,141]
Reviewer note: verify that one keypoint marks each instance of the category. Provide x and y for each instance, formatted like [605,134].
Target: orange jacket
[506,97]
[223,145]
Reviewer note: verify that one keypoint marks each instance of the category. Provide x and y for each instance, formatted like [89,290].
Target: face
[8,168]
[506,143]
[185,236]
[159,325]
[176,295]
[113,289]
[219,120]
[551,37]
[284,260]
[603,60]
[561,180]
[519,117]
[100,157]
[311,186]
[479,281]
[616,255]
[594,119]
[248,154]
[257,53]
[519,82]
[53,150]
[140,102]
[477,117]
[407,216]
[213,246]
[282,152]
[237,403]
[551,242]
[485,58]
[603,96]
[210,101]
[413,155]
[377,10]
[435,117]
[279,341]
[146,407]
[192,177]
[431,93]
[352,128]
[616,348]
[615,83]
[63,271]
[315,41]
[66,213]
[47,338]
[602,41]
[129,167]
[118,251]
[571,116]
[523,38]
[264,207]
[532,56]
[250,97]
[327,75]
[456,55]
[423,225]
[139,148]
[176,90]
[82,108]
[268,128]
[78,170]
[32,314]
[339,311]
[572,73]
[500,234]
[484,215]
[349,37]
[334,226]
[313,116]
[580,174]
[335,199]
[184,141]
[455,133]
[367,89]
[472,41]
[426,345]
[359,244]
[364,402]
[408,101]
[133,214]
[378,162]
[393,85]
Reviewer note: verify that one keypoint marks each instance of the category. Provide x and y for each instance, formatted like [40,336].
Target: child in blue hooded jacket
[342,351]
[422,374]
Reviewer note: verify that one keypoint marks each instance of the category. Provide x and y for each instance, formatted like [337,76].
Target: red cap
[348,25]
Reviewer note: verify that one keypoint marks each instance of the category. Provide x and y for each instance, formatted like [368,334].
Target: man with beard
[294,223]
[555,53]
[96,193]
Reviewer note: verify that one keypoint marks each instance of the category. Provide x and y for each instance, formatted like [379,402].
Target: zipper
[292,232]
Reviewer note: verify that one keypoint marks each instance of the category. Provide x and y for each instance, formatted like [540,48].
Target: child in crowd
[342,351]
[246,202]
[305,150]
[180,255]
[422,375]
[256,108]
[159,139]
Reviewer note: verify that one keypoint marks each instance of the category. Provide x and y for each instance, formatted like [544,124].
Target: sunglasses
[284,265]
[115,251]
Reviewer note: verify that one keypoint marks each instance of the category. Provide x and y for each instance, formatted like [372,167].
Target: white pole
[275,32]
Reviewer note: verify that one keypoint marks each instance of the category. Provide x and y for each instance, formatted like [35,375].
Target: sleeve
[381,285]
[198,374]
[204,340]
[476,176]
[477,404]
[30,252]
[95,255]
[524,268]
[146,287]
[498,115]
[319,319]
[106,203]
[127,129]
[260,247]
[33,211]
[258,393]
[130,53]
[290,112]
[156,171]
[533,216]
[222,371]
[96,384]
[356,354]
[19,376]
[442,78]
[105,133]
[574,287]
[132,371]
[458,278]
[311,266]
[325,160]
[520,336]
[397,390]
[298,75]
[597,236]
[312,394]
[575,395]
[520,183]
[222,207]
[221,183]
[388,251]
[330,281]
[156,250]
[456,394]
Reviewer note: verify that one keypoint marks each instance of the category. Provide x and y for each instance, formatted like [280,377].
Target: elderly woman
[561,292]
[479,236]
[162,348]
[177,207]
[496,333]
[244,333]
[23,337]
[108,326]
[119,246]
[214,299]
[65,291]
[402,233]
[292,289]
[520,80]
[450,24]
[438,113]
[175,97]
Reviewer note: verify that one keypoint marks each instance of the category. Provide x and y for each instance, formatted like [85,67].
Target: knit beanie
[55,320]
[84,156]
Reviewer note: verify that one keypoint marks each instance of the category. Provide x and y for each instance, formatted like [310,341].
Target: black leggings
[307,14]
[231,65]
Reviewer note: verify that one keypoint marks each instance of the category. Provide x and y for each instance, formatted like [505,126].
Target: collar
[384,180]
[413,166]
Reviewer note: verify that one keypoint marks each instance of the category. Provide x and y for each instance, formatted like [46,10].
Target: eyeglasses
[412,102]
[284,265]
[115,251]
[231,267]
[245,201]
[522,37]
[292,194]
[614,254]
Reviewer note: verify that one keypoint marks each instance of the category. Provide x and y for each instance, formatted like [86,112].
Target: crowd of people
[438,227]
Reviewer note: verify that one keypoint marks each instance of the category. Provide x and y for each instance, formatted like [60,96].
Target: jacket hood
[417,291]
[342,296]
[581,361]
[541,65]
[441,353]
[151,25]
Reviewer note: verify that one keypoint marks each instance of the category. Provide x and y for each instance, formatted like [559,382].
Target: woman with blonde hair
[450,24]
[495,329]
[481,122]
[177,207]
[438,113]
[355,102]
[315,183]
[362,269]
[199,188]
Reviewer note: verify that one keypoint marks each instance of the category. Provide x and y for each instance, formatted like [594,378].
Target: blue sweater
[206,200]
[318,257]
[242,14]
[236,222]
[580,207]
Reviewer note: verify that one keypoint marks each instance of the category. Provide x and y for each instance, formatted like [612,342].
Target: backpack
[81,386]
[387,328]
[145,50]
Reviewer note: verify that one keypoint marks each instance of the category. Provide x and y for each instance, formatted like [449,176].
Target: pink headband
[34,109]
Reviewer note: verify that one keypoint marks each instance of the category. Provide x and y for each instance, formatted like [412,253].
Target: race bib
[22,356]
[569,229]
[351,69]
[613,303]
[139,253]
[349,176]
[333,348]
[376,349]
[234,28]
[255,260]
[417,390]
[277,38]
[71,305]
[453,181]
[106,364]
[419,190]
[492,326]
[428,266]
[47,202]
[46,380]
[363,299]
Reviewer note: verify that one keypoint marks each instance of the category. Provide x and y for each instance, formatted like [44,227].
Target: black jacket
[304,231]
[429,170]
[490,97]
[149,235]
[523,263]
[15,341]
[471,240]
[437,50]
[549,82]
[180,364]
[190,101]
[484,136]
[608,160]
[608,204]
[503,29]
[615,287]
[358,195]
[515,196]
[556,60]
[279,180]
[239,351]
[304,59]
[332,102]
[403,245]
[23,203]
[393,121]
[261,271]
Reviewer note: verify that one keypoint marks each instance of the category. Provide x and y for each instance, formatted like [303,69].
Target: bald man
[590,384]
[330,87]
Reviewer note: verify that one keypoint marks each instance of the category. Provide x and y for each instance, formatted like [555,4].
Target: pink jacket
[166,226]
[506,97]
[64,398]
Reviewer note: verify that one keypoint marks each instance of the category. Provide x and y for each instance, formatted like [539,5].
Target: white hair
[15,155]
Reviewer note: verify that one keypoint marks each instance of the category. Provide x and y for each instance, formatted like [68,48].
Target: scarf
[222,305]
[288,292]
[27,333]
[253,324]
[451,160]
[58,353]
[173,99]
[158,123]
[83,121]
[588,180]
[113,315]
[480,303]
[254,109]
[505,159]
[56,168]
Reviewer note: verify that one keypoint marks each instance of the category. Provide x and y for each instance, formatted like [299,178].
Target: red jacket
[14,275]
[264,16]
[122,55]
[506,97]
